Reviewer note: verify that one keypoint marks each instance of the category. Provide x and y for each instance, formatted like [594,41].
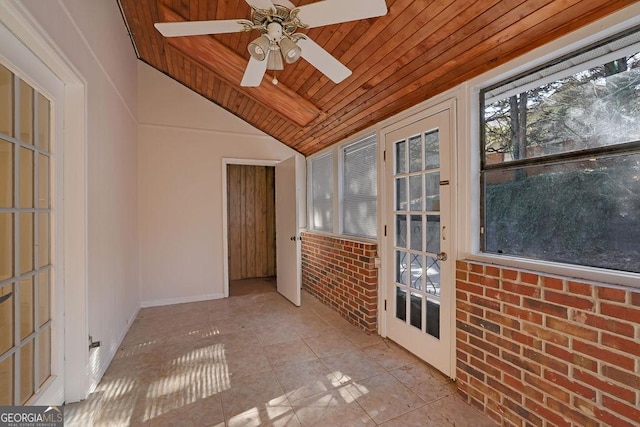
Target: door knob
[442,256]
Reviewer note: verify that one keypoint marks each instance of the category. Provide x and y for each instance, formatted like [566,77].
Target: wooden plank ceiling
[419,49]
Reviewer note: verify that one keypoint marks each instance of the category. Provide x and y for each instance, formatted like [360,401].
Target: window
[560,172]
[359,188]
[355,180]
[25,240]
[322,193]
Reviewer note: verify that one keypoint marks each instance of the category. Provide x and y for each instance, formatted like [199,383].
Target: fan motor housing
[278,14]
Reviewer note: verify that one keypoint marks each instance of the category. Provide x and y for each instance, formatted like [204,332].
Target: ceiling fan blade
[323,60]
[254,72]
[196,28]
[260,4]
[329,12]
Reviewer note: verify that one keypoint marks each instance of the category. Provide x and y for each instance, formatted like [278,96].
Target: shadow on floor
[258,360]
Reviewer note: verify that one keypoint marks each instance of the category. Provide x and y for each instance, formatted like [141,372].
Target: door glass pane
[416,271]
[401,157]
[433,318]
[416,310]
[415,192]
[431,150]
[6,318]
[433,276]
[26,307]
[26,116]
[433,234]
[432,192]
[416,232]
[26,242]
[26,372]
[43,239]
[6,382]
[44,296]
[401,194]
[44,361]
[401,267]
[415,154]
[6,174]
[401,231]
[401,303]
[6,245]
[43,123]
[26,113]
[26,178]
[43,181]
[6,101]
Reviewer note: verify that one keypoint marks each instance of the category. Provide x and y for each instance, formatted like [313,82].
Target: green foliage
[592,108]
[567,215]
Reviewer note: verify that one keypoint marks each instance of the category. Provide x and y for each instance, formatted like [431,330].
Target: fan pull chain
[275,80]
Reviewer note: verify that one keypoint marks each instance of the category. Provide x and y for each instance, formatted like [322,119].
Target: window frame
[363,140]
[312,225]
[336,152]
[469,222]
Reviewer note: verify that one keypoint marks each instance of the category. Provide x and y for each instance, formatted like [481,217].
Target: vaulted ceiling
[419,49]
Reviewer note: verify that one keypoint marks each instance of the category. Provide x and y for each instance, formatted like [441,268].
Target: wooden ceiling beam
[229,66]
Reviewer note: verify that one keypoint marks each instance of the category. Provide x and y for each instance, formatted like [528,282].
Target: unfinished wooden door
[251,221]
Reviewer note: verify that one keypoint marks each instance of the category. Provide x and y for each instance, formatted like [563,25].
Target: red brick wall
[546,351]
[342,274]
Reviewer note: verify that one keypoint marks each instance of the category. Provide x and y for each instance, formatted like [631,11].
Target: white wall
[92,36]
[182,141]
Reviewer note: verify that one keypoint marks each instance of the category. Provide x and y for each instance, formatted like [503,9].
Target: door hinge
[384,156]
[385,231]
[385,305]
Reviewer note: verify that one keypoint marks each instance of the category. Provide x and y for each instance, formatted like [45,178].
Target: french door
[420,280]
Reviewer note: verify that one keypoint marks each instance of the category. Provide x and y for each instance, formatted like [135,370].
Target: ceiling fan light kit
[259,48]
[290,50]
[278,22]
[274,61]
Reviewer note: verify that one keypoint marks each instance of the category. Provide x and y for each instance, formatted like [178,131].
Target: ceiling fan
[279,42]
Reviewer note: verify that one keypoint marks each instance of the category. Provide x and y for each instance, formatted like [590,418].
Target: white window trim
[469,154]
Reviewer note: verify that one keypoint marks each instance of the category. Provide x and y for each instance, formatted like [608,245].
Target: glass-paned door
[419,280]
[25,240]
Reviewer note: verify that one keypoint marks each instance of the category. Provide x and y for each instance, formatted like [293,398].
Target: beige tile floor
[257,360]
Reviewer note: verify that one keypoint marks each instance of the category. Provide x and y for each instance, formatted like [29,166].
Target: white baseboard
[182,300]
[111,352]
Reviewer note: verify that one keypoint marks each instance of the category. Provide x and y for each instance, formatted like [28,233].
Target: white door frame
[70,232]
[438,105]
[225,231]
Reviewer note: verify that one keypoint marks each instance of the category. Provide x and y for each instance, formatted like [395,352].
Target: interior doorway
[251,229]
